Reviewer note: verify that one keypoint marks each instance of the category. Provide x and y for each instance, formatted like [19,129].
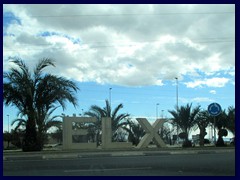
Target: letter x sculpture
[151,132]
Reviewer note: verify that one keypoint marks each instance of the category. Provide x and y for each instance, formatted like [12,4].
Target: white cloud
[133,50]
[213,82]
[201,99]
[198,100]
[212,91]
[217,82]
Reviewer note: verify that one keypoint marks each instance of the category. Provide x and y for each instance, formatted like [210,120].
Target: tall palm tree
[220,120]
[165,133]
[135,131]
[231,119]
[203,120]
[35,95]
[225,120]
[116,119]
[185,118]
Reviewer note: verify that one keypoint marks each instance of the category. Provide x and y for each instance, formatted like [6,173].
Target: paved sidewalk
[61,154]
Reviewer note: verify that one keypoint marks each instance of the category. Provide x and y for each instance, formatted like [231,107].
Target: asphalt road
[218,164]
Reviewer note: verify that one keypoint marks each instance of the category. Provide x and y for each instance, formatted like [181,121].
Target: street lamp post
[162,113]
[177,102]
[177,91]
[157,111]
[8,131]
[8,122]
[110,89]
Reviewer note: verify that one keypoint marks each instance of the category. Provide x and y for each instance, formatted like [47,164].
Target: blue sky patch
[47,34]
[9,18]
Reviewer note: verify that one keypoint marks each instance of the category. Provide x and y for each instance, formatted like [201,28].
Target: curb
[95,155]
[46,157]
[127,154]
[111,154]
[157,154]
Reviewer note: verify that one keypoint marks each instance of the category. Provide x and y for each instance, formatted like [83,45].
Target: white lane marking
[110,169]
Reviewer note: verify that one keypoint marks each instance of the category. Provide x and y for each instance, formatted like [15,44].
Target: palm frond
[41,65]
[107,109]
[20,122]
[115,111]
[52,123]
[19,62]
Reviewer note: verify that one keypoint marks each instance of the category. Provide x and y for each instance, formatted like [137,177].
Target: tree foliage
[134,130]
[116,119]
[231,119]
[185,118]
[36,95]
[202,120]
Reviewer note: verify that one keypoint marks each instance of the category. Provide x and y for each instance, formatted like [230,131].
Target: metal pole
[110,97]
[214,130]
[157,111]
[177,102]
[8,123]
[177,92]
[212,133]
[8,131]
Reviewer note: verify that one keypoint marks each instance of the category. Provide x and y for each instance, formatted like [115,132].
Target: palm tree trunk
[41,137]
[201,137]
[30,141]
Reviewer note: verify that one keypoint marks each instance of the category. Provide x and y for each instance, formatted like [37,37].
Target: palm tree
[36,95]
[219,122]
[185,118]
[165,133]
[134,130]
[99,113]
[42,126]
[45,122]
[203,120]
[225,120]
[231,119]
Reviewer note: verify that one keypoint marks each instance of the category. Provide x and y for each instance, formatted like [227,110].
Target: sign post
[214,110]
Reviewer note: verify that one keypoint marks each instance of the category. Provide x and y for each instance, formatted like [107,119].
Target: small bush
[232,141]
[187,144]
[206,141]
[220,142]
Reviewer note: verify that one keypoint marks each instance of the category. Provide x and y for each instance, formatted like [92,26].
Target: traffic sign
[214,109]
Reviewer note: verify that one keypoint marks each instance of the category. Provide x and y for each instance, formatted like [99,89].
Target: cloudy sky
[137,50]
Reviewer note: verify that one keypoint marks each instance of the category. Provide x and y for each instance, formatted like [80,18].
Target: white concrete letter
[151,132]
[107,136]
[68,133]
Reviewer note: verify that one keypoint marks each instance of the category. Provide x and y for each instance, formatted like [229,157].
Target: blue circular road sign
[214,109]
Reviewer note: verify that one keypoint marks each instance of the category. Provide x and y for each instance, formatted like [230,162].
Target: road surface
[215,164]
